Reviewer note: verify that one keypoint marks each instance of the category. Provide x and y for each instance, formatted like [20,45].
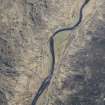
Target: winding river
[47,80]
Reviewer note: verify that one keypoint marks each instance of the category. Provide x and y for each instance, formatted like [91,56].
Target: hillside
[25,58]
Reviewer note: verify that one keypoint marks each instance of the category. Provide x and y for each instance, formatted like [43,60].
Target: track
[47,80]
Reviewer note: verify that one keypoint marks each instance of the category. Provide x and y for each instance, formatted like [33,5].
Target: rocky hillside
[25,28]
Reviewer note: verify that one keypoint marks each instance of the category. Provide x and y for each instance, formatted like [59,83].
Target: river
[47,80]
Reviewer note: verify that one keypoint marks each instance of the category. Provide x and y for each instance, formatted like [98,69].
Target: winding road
[47,80]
